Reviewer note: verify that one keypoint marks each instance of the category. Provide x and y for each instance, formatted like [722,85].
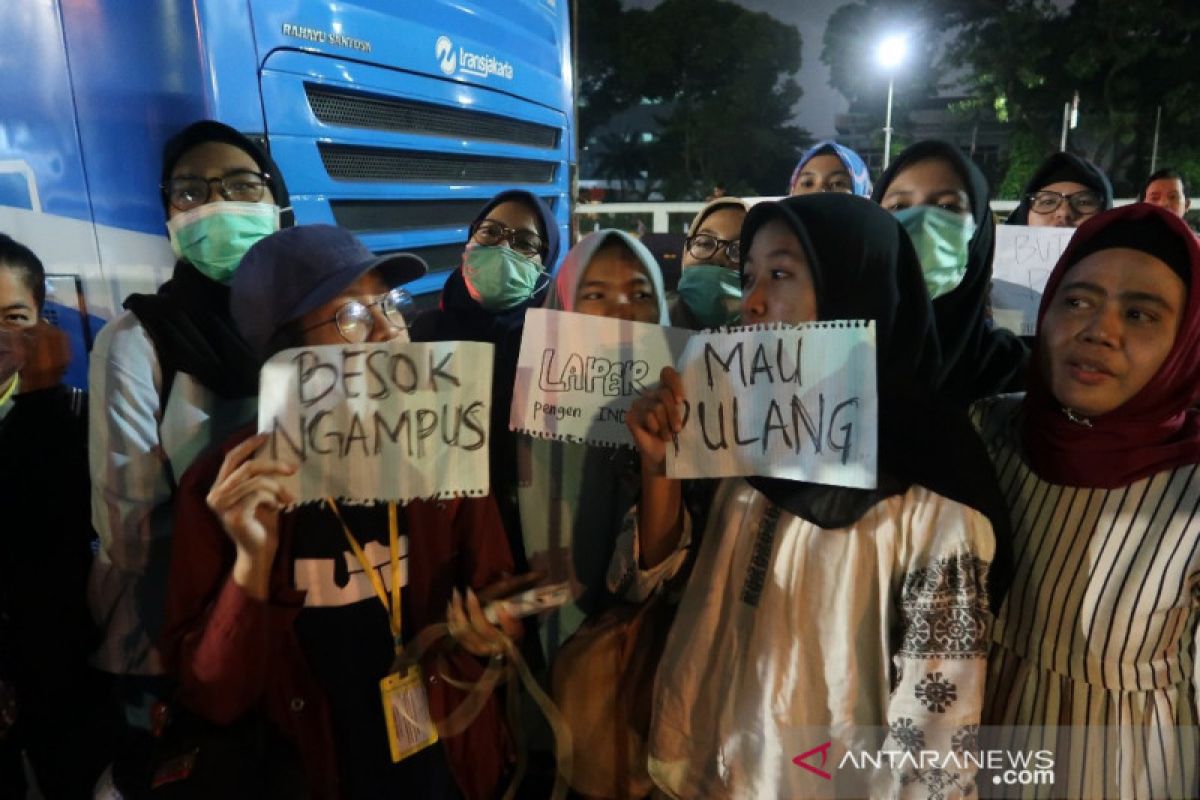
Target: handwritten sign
[380,422]
[1024,259]
[578,374]
[784,402]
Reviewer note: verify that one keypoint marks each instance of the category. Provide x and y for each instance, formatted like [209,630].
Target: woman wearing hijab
[942,200]
[1064,192]
[709,293]
[576,495]
[848,635]
[830,167]
[173,376]
[1098,461]
[506,268]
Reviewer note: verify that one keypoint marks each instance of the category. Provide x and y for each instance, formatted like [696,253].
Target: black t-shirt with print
[344,633]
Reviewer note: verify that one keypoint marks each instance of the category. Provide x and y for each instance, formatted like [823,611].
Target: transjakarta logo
[481,65]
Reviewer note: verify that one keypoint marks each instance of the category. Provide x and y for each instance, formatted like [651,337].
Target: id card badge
[410,727]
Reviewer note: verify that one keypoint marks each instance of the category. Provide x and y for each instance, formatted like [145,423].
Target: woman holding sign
[309,615]
[576,494]
[942,200]
[1099,461]
[821,614]
[1064,192]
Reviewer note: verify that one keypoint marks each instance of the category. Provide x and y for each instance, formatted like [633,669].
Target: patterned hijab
[1157,429]
[853,162]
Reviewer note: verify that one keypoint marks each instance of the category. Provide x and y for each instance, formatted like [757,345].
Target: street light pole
[890,54]
[887,125]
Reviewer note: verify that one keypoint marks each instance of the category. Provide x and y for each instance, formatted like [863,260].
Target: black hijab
[864,267]
[1062,167]
[977,360]
[188,317]
[460,317]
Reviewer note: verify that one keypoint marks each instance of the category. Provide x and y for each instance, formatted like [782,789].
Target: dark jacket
[459,317]
[232,653]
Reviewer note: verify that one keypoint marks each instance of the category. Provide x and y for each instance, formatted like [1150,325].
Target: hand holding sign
[655,418]
[797,403]
[247,497]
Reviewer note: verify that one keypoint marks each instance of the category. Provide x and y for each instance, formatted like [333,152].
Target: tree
[723,77]
[1124,57]
[602,91]
[1021,60]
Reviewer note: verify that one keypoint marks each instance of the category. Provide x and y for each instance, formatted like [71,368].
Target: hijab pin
[1076,418]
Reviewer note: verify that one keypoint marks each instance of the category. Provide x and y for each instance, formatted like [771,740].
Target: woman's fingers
[236,494]
[510,584]
[235,457]
[460,628]
[480,625]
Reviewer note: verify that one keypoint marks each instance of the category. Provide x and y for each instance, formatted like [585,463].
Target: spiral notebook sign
[379,422]
[578,374]
[783,402]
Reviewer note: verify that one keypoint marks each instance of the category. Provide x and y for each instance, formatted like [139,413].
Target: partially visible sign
[1024,258]
[380,422]
[785,402]
[578,374]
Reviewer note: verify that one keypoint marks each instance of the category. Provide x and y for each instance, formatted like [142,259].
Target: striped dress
[1097,636]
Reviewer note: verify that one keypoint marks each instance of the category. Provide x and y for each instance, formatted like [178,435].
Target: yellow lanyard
[9,392]
[392,606]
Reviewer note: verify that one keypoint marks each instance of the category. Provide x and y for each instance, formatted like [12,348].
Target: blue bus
[394,119]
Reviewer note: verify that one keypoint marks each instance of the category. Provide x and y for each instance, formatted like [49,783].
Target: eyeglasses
[355,320]
[490,233]
[703,246]
[242,186]
[1047,202]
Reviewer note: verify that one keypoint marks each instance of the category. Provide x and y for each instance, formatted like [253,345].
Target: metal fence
[675,217]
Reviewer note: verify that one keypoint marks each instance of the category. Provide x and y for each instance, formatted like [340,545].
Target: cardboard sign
[785,402]
[578,374]
[380,422]
[1024,259]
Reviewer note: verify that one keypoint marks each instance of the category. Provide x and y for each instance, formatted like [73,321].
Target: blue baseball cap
[293,271]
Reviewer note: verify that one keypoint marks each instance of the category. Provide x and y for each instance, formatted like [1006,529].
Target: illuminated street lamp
[890,54]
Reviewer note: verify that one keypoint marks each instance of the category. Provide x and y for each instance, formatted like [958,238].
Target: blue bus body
[394,119]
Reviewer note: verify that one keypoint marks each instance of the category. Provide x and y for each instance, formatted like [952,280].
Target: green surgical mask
[941,239]
[712,293]
[499,278]
[214,237]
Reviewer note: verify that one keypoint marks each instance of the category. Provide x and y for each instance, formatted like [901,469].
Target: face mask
[712,293]
[214,237]
[499,278]
[941,239]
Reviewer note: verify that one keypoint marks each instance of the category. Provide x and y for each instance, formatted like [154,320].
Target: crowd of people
[173,624]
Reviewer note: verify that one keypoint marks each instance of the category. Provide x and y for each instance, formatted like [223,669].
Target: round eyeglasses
[704,246]
[355,320]
[188,192]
